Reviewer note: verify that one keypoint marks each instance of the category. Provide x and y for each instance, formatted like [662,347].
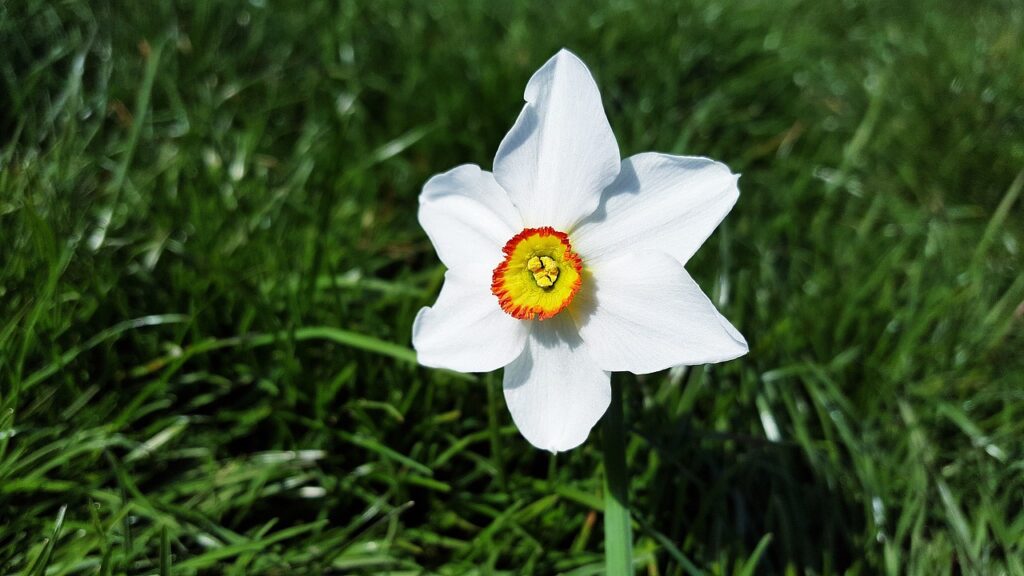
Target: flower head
[566,264]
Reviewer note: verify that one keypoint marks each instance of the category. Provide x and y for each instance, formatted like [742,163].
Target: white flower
[565,264]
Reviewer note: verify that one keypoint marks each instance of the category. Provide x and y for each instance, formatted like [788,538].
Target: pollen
[545,270]
[539,276]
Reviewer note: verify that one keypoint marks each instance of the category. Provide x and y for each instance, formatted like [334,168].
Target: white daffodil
[566,264]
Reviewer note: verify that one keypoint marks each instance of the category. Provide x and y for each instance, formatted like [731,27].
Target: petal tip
[433,187]
[556,445]
[566,54]
[563,62]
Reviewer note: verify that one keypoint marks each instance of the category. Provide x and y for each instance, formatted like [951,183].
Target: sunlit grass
[210,263]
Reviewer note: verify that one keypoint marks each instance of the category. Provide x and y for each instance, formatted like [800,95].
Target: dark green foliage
[210,264]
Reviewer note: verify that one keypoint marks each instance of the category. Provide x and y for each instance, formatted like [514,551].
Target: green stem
[493,386]
[618,534]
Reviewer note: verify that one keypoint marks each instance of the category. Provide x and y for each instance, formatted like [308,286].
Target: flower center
[545,270]
[539,276]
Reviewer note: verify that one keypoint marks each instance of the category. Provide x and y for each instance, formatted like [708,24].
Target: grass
[211,264]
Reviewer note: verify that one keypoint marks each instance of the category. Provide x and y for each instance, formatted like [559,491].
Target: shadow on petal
[584,304]
[524,128]
[627,182]
[548,334]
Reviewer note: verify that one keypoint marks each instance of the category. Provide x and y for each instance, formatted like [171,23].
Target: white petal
[469,218]
[466,330]
[555,391]
[561,152]
[642,312]
[659,202]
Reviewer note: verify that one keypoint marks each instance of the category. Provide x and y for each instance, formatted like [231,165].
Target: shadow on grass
[717,495]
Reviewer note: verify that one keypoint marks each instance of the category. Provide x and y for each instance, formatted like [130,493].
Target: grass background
[210,263]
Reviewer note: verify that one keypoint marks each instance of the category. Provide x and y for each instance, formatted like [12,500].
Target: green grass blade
[750,566]
[618,532]
[43,561]
[165,552]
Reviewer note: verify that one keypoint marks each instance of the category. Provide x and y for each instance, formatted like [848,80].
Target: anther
[544,269]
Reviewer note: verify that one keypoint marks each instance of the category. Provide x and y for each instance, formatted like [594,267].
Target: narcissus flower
[566,264]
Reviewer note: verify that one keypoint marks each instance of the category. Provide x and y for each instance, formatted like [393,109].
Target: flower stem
[618,534]
[493,388]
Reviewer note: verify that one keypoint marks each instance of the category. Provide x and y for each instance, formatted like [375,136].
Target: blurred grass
[211,264]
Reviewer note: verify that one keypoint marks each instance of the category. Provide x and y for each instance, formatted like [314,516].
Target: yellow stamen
[545,270]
